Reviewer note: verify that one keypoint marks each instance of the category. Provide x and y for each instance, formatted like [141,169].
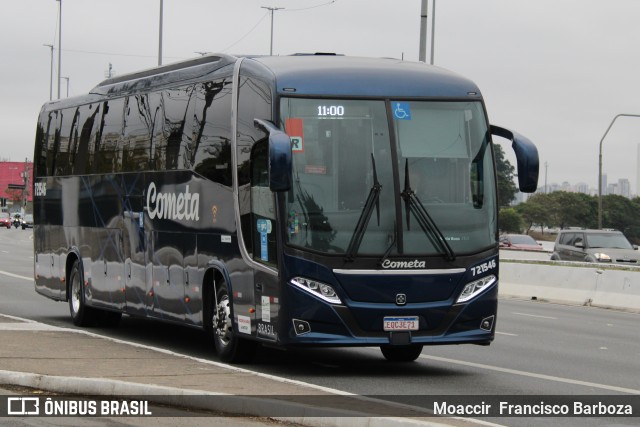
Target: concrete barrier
[611,286]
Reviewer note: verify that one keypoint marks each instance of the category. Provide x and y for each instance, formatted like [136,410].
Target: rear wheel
[80,313]
[405,353]
[229,346]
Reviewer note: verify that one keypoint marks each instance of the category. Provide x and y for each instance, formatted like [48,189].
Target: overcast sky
[557,71]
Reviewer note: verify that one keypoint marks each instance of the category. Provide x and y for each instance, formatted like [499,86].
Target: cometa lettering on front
[176,206]
[403,264]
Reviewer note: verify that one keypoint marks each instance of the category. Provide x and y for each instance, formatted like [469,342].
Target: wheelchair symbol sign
[401,110]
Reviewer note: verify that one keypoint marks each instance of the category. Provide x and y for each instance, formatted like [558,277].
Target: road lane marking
[506,333]
[16,276]
[532,375]
[535,315]
[28,327]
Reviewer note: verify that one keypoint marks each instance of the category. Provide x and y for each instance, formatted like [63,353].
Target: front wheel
[229,346]
[405,353]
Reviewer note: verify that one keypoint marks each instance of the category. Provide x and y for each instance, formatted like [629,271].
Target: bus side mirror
[527,158]
[280,156]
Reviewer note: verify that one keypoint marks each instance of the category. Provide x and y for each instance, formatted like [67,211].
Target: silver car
[605,246]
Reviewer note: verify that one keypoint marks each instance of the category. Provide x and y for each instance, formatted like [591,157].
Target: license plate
[405,323]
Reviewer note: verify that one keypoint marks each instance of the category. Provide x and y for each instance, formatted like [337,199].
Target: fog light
[487,323]
[301,327]
[318,289]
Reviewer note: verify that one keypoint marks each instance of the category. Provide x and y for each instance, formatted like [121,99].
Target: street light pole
[433,27]
[422,54]
[546,169]
[272,9]
[59,46]
[160,37]
[51,73]
[600,165]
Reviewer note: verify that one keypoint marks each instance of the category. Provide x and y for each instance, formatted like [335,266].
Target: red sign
[295,130]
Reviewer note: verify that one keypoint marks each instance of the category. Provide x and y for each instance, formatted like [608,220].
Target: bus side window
[137,131]
[108,142]
[178,108]
[42,134]
[157,130]
[208,148]
[63,158]
[53,140]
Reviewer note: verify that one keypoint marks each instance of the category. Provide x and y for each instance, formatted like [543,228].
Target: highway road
[540,349]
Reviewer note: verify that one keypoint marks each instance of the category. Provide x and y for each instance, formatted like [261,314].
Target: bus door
[265,249]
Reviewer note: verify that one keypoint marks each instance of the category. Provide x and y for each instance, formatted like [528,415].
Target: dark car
[5,220]
[521,242]
[27,221]
[605,246]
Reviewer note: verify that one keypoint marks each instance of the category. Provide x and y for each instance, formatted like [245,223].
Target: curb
[250,406]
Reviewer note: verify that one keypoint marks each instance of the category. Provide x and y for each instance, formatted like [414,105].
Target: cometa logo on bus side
[172,205]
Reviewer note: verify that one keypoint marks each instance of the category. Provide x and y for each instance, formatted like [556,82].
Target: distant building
[582,187]
[624,187]
[13,192]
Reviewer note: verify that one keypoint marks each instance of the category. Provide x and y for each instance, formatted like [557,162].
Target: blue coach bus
[304,200]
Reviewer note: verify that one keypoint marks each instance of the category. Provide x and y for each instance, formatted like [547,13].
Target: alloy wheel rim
[222,321]
[75,294]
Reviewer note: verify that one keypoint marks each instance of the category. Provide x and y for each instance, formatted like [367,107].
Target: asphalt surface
[76,362]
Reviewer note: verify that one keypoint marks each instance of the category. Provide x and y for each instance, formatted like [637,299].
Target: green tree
[535,211]
[506,187]
[621,213]
[510,221]
[571,209]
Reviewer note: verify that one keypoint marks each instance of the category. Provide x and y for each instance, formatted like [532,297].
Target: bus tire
[229,346]
[405,353]
[81,315]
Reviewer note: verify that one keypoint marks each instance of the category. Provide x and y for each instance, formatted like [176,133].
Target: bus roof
[302,74]
[335,75]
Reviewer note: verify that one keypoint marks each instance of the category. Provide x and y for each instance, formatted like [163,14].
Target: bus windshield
[384,178]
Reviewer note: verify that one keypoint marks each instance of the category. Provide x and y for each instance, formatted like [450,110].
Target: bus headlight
[476,287]
[319,289]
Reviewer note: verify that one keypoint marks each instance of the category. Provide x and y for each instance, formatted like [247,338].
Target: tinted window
[88,125]
[138,124]
[40,153]
[209,145]
[178,115]
[53,139]
[68,133]
[107,157]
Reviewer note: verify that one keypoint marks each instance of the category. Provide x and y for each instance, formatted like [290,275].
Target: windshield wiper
[431,230]
[373,200]
[393,242]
